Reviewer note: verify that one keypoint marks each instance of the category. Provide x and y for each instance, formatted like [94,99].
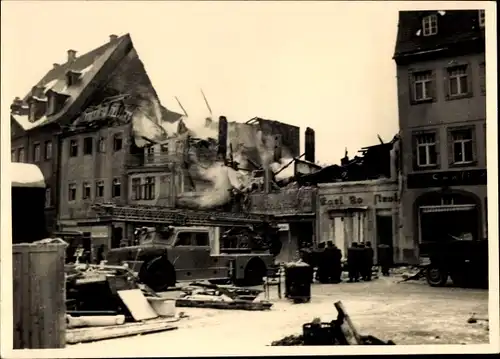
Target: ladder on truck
[176,217]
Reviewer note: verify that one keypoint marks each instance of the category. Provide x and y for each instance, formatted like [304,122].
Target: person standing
[368,262]
[384,258]
[352,262]
[336,264]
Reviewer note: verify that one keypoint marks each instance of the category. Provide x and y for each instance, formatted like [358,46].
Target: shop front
[444,206]
[361,212]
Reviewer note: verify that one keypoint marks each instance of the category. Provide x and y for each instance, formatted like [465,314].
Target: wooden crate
[39,296]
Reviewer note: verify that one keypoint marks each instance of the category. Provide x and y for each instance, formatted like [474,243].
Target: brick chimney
[55,65]
[310,146]
[113,37]
[16,105]
[71,55]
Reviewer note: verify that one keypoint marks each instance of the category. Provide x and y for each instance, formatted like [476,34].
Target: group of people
[360,260]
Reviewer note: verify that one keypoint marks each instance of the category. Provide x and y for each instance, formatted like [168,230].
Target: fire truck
[173,245]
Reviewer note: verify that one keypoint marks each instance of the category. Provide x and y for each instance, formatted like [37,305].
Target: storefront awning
[448,208]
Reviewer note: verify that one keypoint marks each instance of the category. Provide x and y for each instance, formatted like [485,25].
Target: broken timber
[235,304]
[85,335]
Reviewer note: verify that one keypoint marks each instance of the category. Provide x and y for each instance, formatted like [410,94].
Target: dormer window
[32,114]
[51,107]
[482,18]
[72,77]
[429,25]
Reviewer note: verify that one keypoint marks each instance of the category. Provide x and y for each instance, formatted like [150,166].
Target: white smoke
[286,172]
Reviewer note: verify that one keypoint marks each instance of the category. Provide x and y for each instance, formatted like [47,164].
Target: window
[462,146]
[117,142]
[457,81]
[116,187]
[102,144]
[164,149]
[36,152]
[20,155]
[482,77]
[201,239]
[51,104]
[86,190]
[99,189]
[72,192]
[149,188]
[426,150]
[150,153]
[136,188]
[482,19]
[48,198]
[422,86]
[13,156]
[183,239]
[429,25]
[48,150]
[73,148]
[87,145]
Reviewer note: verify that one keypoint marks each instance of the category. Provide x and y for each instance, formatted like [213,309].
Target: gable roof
[455,28]
[86,65]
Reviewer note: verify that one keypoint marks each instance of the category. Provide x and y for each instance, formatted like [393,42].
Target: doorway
[116,237]
[384,233]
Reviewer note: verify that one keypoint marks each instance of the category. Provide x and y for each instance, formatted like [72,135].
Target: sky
[326,65]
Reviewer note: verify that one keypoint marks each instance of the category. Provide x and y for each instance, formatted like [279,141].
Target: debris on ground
[420,274]
[201,295]
[340,331]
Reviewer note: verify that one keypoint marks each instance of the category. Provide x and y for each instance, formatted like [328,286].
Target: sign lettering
[379,198]
[114,110]
[447,178]
[340,201]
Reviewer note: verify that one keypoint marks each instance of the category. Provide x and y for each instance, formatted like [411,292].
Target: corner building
[440,58]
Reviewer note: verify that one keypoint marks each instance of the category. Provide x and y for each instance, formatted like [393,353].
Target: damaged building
[358,200]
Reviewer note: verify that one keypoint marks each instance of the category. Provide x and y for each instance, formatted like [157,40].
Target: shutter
[433,86]
[438,150]
[446,84]
[474,143]
[414,151]
[450,146]
[470,90]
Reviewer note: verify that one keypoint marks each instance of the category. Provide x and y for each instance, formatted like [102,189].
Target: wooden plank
[137,304]
[17,293]
[235,305]
[352,335]
[37,266]
[92,336]
[26,300]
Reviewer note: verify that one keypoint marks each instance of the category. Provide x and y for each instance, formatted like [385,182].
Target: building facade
[440,58]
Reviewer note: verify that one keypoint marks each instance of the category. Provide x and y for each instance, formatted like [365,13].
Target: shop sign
[384,198]
[340,201]
[447,178]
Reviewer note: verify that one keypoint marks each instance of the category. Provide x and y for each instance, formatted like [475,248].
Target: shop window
[48,150]
[99,189]
[73,148]
[116,187]
[426,150]
[463,146]
[86,190]
[87,145]
[136,188]
[71,192]
[149,188]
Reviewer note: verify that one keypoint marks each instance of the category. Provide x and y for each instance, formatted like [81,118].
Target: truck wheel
[436,277]
[158,274]
[254,272]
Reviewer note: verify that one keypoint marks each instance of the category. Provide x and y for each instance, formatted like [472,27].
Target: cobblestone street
[407,313]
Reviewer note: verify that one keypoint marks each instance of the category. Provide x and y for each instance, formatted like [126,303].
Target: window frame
[37,155]
[451,152]
[72,187]
[101,144]
[430,93]
[449,76]
[191,237]
[150,188]
[88,146]
[73,144]
[427,25]
[482,18]
[416,153]
[136,188]
[13,155]
[86,187]
[99,184]
[20,151]
[48,144]
[194,240]
[117,138]
[116,183]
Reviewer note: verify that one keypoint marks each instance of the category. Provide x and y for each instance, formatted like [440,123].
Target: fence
[39,296]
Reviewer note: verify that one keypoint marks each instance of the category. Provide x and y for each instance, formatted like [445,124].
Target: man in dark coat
[368,262]
[352,262]
[336,262]
[322,273]
[384,258]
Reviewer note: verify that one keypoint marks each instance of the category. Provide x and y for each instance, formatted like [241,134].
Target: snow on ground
[407,313]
